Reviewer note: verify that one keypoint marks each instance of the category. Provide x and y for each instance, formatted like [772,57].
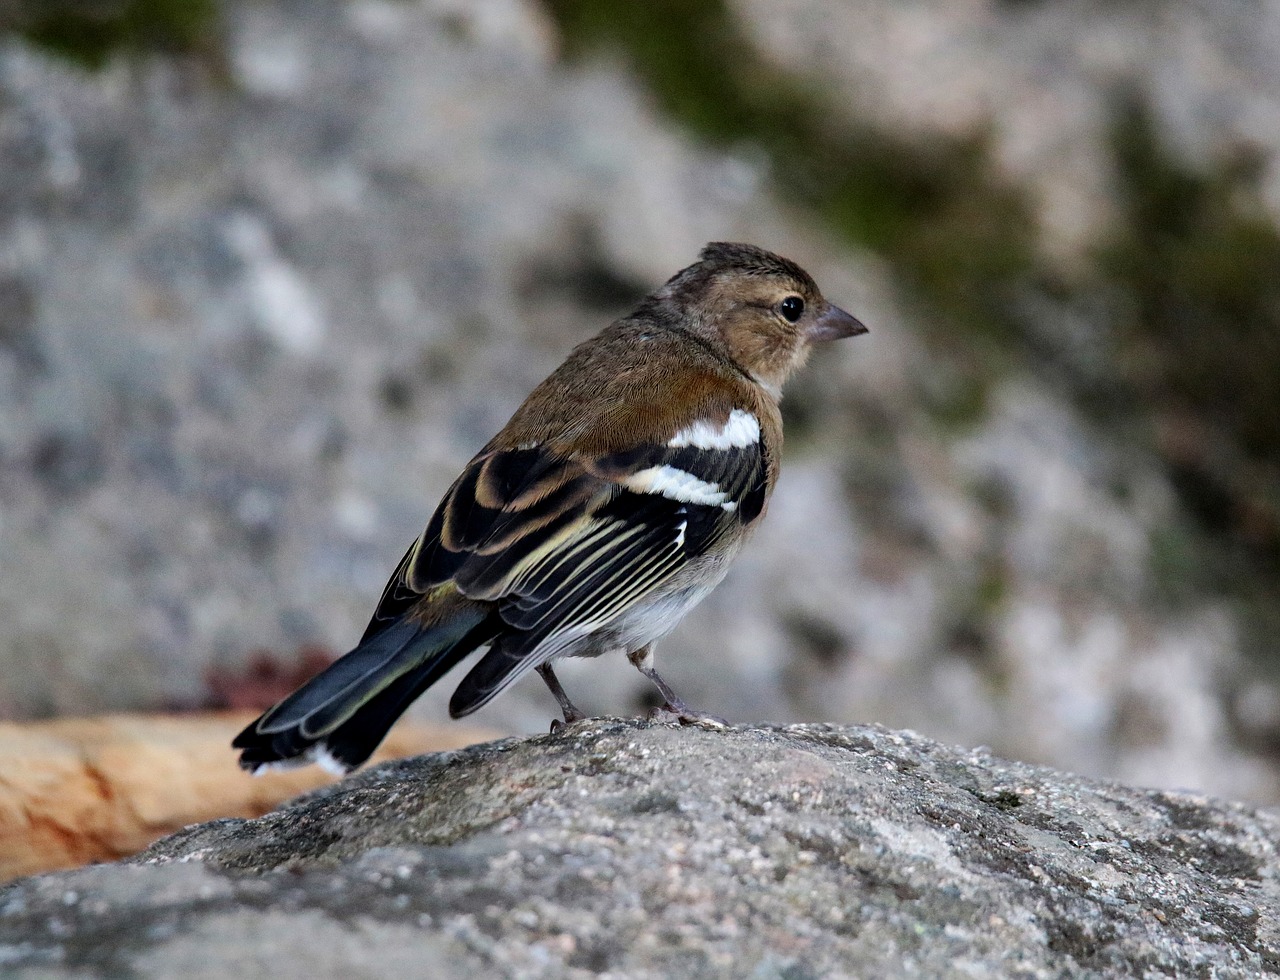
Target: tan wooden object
[74,791]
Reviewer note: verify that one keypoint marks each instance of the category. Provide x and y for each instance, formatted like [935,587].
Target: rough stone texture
[252,326]
[644,850]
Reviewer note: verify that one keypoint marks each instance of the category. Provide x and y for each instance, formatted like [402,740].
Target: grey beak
[834,324]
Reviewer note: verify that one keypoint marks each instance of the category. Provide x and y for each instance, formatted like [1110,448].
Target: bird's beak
[833,324]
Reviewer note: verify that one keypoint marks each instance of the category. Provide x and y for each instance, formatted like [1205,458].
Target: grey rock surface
[643,850]
[252,327]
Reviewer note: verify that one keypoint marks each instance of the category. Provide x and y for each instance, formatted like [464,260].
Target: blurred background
[272,270]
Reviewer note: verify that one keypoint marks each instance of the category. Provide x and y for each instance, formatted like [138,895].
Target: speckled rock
[640,849]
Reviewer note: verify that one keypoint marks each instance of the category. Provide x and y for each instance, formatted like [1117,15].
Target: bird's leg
[674,707]
[570,710]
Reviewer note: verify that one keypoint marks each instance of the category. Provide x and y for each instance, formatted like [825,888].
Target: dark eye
[791,308]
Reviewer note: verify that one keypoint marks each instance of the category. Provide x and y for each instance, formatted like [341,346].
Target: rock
[646,850]
[95,789]
[1042,82]
[252,326]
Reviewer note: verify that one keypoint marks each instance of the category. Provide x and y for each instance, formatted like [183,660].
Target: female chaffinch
[610,504]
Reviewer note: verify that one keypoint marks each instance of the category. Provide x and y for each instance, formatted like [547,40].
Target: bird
[611,503]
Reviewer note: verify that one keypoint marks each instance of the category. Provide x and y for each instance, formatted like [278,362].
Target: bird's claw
[683,715]
[558,725]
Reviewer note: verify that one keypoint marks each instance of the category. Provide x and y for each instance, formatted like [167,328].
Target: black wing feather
[565,542]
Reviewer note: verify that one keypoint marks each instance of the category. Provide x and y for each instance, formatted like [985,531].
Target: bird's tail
[339,716]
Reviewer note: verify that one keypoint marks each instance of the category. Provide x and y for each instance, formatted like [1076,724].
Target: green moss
[1200,262]
[959,400]
[1198,338]
[970,619]
[1175,560]
[89,34]
[955,232]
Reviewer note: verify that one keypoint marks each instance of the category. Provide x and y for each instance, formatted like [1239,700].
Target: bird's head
[764,311]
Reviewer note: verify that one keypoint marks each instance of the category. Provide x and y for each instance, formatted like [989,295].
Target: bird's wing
[564,542]
[427,566]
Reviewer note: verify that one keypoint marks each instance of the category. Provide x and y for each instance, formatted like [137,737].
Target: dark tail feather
[499,667]
[340,715]
[352,742]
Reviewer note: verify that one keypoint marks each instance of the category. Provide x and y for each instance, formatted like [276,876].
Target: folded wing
[564,543]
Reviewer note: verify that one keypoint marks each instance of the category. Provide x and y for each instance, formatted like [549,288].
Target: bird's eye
[791,308]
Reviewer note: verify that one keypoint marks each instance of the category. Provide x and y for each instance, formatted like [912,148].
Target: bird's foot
[682,714]
[570,718]
[567,707]
[673,708]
